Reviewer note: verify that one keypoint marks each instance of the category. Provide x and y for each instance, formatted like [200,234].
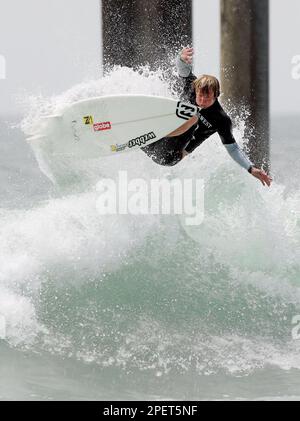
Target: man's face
[205,100]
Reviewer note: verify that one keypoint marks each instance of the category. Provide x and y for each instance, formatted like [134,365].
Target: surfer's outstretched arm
[238,156]
[184,62]
[261,175]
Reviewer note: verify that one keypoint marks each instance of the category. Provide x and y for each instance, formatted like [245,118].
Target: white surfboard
[109,125]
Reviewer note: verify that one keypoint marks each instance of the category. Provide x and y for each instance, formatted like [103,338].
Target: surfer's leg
[168,151]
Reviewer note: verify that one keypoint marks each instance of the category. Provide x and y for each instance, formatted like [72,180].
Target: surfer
[203,92]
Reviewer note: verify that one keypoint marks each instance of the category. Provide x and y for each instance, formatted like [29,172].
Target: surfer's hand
[187,55]
[262,176]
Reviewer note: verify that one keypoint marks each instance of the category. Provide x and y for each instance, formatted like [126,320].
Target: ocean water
[141,307]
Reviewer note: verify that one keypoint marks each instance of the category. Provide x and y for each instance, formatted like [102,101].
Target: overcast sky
[50,45]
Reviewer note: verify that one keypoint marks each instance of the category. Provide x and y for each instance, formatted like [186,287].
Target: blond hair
[206,84]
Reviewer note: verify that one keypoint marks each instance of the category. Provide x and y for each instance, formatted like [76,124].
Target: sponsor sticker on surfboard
[88,120]
[98,127]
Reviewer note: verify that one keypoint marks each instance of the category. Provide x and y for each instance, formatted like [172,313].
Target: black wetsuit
[168,151]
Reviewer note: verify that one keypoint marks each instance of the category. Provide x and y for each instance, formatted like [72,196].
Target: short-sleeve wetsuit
[169,150]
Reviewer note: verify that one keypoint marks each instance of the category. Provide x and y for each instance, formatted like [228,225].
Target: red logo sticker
[98,127]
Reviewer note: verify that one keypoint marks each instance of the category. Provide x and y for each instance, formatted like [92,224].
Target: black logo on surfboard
[186,111]
[141,140]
